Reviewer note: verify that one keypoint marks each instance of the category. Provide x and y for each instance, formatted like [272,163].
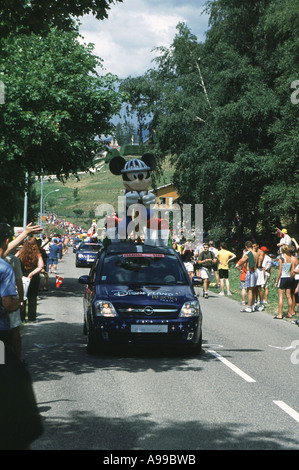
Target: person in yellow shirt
[224,257]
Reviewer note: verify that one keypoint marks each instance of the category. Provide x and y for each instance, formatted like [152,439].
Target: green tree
[27,16]
[119,135]
[252,49]
[12,188]
[56,104]
[124,133]
[280,198]
[111,152]
[39,117]
[78,212]
[223,109]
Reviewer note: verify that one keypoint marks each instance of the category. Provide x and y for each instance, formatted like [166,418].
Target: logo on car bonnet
[148,310]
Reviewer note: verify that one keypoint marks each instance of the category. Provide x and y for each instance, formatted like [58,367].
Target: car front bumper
[170,331]
[84,262]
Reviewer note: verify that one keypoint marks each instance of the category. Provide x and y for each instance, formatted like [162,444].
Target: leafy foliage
[124,132]
[223,109]
[56,102]
[39,16]
[54,107]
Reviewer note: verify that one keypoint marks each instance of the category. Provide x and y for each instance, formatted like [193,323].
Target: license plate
[149,329]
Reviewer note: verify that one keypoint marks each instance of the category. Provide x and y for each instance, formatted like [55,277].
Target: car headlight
[104,309]
[80,256]
[190,309]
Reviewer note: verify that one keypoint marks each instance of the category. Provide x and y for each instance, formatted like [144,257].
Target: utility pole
[25,213]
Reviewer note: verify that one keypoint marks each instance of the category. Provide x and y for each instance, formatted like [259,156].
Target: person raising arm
[29,230]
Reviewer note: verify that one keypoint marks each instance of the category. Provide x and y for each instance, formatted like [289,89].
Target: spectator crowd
[255,267]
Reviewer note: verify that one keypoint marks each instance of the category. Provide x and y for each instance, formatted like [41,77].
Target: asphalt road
[241,393]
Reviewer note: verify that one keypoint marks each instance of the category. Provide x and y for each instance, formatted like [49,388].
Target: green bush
[129,149]
[110,154]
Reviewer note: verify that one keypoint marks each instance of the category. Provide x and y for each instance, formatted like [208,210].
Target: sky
[125,40]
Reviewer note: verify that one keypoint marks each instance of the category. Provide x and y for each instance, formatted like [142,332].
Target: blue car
[86,254]
[140,294]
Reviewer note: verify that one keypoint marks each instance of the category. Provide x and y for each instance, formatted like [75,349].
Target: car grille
[144,338]
[147,311]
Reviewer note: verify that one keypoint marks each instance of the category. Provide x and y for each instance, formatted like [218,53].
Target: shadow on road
[62,348]
[70,287]
[85,431]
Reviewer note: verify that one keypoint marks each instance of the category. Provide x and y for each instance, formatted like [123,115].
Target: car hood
[145,295]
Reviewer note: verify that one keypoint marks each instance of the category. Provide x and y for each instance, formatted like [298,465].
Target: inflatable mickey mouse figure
[136,175]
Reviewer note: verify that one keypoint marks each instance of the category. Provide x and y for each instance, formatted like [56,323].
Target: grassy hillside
[87,193]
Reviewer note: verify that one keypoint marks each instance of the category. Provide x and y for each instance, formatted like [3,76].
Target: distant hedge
[129,149]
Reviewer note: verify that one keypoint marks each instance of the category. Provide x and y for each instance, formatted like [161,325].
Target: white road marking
[231,366]
[294,414]
[214,346]
[283,348]
[54,345]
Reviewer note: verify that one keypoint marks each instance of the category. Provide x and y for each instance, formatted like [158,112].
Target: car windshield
[135,268]
[89,247]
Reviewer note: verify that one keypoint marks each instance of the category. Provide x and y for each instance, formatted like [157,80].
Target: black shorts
[6,337]
[295,284]
[223,273]
[285,283]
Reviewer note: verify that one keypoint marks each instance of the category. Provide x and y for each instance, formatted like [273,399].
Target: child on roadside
[267,268]
[243,270]
[284,282]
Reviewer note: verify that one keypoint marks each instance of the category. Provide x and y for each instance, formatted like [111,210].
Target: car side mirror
[84,279]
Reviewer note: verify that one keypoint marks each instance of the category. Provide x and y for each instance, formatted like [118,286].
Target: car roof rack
[131,247]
